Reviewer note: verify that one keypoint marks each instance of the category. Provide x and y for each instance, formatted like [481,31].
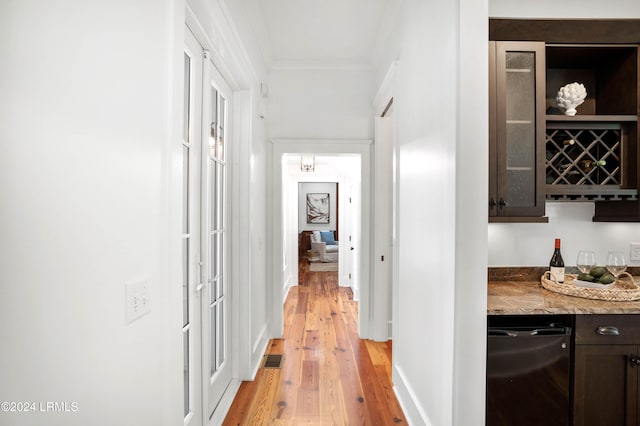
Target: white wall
[440,102]
[320,104]
[305,188]
[471,220]
[426,137]
[532,244]
[85,121]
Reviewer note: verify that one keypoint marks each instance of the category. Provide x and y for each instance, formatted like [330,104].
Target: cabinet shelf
[595,118]
[519,169]
[519,122]
[590,193]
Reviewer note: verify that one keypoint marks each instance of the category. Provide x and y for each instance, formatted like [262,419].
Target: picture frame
[318,207]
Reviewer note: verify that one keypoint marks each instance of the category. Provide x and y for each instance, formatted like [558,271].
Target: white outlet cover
[634,251]
[137,300]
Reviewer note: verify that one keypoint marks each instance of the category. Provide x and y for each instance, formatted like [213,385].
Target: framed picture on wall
[318,207]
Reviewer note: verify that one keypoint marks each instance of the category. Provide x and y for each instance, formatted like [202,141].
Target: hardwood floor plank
[276,346]
[260,408]
[301,307]
[329,376]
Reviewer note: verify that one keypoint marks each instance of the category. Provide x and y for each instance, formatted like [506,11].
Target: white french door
[191,141]
[215,295]
[206,337]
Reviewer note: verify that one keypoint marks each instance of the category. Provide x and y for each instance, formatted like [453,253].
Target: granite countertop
[519,294]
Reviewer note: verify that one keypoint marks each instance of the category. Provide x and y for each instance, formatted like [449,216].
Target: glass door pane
[520,95]
[186,237]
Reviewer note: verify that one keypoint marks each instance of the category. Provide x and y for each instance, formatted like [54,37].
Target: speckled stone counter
[528,298]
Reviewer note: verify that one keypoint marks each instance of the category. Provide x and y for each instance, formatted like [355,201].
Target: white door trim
[383,256]
[275,260]
[381,104]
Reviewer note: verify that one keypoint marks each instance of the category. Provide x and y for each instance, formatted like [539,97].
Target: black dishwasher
[528,370]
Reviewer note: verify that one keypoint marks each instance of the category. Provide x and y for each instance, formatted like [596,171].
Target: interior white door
[215,295]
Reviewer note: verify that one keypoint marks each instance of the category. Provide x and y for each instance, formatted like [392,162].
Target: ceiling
[319,32]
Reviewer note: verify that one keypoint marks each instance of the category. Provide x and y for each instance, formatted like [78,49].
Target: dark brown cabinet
[516,131]
[606,370]
[594,155]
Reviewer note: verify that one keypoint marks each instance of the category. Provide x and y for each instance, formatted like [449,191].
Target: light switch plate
[137,300]
[634,251]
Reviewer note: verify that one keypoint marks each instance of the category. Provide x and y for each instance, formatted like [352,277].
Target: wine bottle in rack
[556,265]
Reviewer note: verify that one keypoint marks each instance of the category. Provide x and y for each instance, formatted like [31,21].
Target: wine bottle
[588,165]
[556,265]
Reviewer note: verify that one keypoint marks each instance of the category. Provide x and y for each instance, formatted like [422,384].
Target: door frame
[275,260]
[383,101]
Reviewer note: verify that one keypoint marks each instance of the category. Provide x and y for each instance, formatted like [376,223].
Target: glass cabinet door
[518,129]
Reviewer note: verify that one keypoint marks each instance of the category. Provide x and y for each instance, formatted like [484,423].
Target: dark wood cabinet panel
[566,30]
[606,370]
[516,131]
[607,330]
[605,385]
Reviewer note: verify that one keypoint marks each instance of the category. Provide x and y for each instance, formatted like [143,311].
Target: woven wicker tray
[624,290]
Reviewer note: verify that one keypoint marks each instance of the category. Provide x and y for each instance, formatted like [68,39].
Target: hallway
[329,376]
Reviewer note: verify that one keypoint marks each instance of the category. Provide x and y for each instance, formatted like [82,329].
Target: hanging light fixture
[307,163]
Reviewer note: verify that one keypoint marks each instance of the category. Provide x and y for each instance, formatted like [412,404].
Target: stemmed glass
[586,260]
[616,263]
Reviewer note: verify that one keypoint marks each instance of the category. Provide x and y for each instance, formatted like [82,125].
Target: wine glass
[616,263]
[586,260]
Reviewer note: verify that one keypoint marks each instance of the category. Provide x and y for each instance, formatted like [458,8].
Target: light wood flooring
[328,375]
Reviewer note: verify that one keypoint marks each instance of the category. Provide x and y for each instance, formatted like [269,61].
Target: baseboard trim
[221,411]
[287,286]
[259,349]
[414,414]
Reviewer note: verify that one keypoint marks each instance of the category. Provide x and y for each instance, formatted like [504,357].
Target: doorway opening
[321,215]
[346,164]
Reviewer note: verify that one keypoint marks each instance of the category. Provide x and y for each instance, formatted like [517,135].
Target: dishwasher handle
[502,332]
[542,331]
[550,331]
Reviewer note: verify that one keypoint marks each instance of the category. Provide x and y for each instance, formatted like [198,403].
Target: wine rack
[584,162]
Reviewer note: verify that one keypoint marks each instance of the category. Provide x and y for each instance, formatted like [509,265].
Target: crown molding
[311,66]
